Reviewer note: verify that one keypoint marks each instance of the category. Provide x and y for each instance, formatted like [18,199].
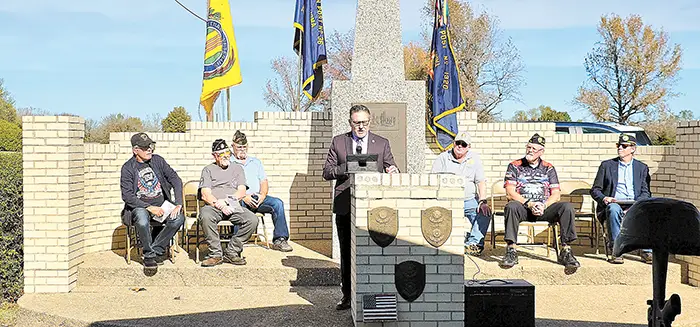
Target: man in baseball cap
[462,161]
[146,182]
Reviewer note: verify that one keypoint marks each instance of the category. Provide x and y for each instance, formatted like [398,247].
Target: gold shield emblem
[383,225]
[436,225]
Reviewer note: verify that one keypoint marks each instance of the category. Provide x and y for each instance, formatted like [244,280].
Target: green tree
[114,123]
[10,136]
[541,113]
[630,71]
[176,121]
[7,106]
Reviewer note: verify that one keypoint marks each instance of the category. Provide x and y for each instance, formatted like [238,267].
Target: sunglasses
[624,146]
[222,154]
[149,148]
[461,143]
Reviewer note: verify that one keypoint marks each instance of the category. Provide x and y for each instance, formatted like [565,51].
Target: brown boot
[213,261]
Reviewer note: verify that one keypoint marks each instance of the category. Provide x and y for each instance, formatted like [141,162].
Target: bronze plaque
[436,225]
[383,223]
[389,121]
[409,278]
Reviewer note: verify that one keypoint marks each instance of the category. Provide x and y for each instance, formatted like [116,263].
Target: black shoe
[510,259]
[566,258]
[150,264]
[160,259]
[281,244]
[344,304]
[234,259]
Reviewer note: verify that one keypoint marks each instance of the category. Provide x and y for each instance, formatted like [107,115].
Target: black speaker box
[499,302]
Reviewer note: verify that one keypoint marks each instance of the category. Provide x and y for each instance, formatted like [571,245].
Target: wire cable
[190,11]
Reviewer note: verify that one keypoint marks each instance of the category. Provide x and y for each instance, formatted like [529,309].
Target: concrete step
[538,269]
[265,267]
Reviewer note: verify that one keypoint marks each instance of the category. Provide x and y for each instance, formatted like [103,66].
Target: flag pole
[299,71]
[228,104]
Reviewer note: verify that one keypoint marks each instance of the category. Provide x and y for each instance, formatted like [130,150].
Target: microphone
[358,149]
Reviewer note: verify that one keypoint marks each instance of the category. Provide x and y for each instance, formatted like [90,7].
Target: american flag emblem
[379,307]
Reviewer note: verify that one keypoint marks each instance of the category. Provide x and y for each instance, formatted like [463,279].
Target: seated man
[146,181]
[222,186]
[257,199]
[462,161]
[621,178]
[532,186]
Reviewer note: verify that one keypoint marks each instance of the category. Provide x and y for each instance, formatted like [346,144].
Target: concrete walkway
[570,305]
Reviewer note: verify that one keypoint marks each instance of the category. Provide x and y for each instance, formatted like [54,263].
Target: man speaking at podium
[358,141]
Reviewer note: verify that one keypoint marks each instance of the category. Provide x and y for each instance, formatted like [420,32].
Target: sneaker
[211,262]
[510,259]
[646,257]
[160,259]
[234,259]
[150,264]
[281,244]
[473,250]
[616,260]
[566,258]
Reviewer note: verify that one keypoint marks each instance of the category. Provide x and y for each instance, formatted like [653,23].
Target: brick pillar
[53,157]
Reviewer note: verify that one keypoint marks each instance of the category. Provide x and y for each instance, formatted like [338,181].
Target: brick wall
[442,301]
[53,202]
[687,188]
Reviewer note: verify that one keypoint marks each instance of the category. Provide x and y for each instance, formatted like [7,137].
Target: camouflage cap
[240,138]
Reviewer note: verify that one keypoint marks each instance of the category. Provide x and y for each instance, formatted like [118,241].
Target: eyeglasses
[240,147]
[533,149]
[222,154]
[461,143]
[624,146]
[358,123]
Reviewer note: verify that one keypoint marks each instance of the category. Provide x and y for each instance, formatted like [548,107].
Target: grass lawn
[8,314]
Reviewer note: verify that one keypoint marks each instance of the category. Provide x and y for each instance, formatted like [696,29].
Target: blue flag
[310,44]
[444,93]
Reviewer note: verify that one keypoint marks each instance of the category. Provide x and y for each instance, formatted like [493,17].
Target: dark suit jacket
[606,182]
[336,163]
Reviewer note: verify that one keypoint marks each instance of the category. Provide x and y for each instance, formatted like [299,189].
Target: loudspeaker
[499,303]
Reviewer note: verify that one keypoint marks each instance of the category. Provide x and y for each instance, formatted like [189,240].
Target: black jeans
[562,212]
[342,223]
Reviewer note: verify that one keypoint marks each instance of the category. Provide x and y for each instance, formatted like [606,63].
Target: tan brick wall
[442,300]
[687,189]
[53,202]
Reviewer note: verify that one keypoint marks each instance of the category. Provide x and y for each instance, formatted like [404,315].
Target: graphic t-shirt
[534,183]
[150,190]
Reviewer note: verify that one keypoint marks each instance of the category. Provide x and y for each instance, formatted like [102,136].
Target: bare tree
[489,64]
[630,71]
[340,49]
[280,92]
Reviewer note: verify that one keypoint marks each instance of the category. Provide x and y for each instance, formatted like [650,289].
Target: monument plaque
[383,225]
[436,225]
[389,121]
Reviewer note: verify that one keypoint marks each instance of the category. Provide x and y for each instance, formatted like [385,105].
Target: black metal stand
[661,312]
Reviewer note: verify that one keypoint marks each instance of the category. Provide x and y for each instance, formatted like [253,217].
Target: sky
[139,57]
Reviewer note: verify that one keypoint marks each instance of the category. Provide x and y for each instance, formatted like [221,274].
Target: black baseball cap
[141,140]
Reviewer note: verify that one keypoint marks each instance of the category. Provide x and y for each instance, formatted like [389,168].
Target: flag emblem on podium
[379,307]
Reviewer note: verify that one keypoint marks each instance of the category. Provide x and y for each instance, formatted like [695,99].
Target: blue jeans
[142,223]
[480,224]
[275,207]
[615,214]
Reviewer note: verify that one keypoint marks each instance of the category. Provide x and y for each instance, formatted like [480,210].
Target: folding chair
[191,211]
[263,238]
[131,235]
[578,193]
[498,196]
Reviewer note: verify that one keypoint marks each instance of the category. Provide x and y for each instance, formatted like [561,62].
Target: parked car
[605,127]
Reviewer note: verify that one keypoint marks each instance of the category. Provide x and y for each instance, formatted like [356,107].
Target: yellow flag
[221,66]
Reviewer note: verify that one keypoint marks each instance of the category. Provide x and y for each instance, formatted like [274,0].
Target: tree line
[631,71]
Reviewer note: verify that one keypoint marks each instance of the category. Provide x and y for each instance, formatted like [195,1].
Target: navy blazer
[605,182]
